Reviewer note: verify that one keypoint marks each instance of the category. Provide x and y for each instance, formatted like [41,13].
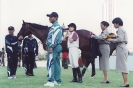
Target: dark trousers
[19,61]
[23,61]
[65,63]
[0,62]
[3,61]
[30,60]
[12,63]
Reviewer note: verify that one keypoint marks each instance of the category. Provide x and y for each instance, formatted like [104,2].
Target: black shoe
[80,80]
[27,74]
[107,82]
[74,80]
[31,75]
[127,85]
[65,67]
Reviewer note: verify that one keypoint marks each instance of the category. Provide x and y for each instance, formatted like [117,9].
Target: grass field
[40,78]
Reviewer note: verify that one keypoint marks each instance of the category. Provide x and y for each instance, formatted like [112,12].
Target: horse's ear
[23,22]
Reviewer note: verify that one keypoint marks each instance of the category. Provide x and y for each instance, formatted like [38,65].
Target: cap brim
[69,25]
[10,29]
[48,15]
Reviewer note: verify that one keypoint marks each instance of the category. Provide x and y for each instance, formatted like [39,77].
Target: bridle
[26,27]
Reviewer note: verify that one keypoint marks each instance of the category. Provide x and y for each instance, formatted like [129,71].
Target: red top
[65,55]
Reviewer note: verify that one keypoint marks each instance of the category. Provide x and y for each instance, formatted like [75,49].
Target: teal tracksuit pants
[53,64]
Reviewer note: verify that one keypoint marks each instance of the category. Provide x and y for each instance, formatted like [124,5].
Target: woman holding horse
[105,51]
[121,50]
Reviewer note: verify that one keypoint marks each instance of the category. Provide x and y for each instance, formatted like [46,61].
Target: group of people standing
[29,51]
[121,50]
[53,43]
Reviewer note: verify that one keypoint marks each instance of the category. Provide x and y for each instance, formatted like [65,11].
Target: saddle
[110,35]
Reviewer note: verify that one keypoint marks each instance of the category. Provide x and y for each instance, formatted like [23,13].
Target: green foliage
[131,53]
[41,57]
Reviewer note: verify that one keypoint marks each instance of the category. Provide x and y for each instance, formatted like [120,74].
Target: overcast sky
[87,14]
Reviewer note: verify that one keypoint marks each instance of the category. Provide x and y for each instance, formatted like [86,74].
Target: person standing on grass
[3,57]
[65,60]
[53,43]
[73,45]
[121,50]
[0,58]
[12,43]
[30,50]
[105,51]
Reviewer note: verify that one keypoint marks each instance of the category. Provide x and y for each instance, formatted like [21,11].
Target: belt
[103,43]
[122,43]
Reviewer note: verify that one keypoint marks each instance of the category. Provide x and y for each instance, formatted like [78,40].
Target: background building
[108,13]
[0,26]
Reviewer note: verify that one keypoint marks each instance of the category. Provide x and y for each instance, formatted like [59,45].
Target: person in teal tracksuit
[53,43]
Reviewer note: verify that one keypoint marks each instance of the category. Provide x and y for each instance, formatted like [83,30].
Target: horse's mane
[84,30]
[41,27]
[38,26]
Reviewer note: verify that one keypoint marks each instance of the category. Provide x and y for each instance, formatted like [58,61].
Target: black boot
[74,75]
[83,71]
[79,75]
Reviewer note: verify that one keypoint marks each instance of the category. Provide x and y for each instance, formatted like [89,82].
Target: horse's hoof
[92,77]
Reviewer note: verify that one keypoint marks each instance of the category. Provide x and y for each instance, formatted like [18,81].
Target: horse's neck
[41,34]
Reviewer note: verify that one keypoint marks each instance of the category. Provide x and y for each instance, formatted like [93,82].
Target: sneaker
[10,77]
[57,84]
[50,84]
[14,76]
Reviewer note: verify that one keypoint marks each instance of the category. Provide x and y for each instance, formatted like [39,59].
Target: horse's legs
[86,66]
[93,67]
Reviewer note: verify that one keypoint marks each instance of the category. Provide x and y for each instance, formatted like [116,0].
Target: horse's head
[24,31]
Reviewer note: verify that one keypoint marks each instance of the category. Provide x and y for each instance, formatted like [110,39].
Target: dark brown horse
[41,32]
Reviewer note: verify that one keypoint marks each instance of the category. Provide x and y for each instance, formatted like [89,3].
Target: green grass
[40,78]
